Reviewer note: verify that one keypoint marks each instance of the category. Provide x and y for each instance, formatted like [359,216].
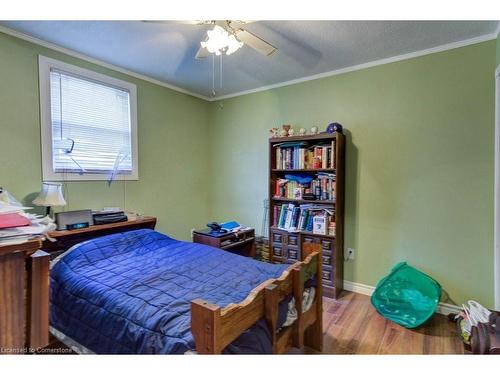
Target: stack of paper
[6,208]
[31,227]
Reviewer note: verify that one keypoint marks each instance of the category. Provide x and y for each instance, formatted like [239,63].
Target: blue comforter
[131,292]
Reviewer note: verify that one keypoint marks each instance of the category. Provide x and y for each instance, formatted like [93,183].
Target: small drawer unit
[288,248]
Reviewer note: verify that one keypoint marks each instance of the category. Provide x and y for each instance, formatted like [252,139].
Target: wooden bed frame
[214,328]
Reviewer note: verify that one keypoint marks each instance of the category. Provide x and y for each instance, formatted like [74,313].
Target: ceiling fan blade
[202,53]
[238,24]
[194,22]
[255,42]
[182,22]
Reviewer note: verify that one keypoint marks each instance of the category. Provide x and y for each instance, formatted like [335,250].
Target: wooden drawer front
[277,237]
[326,259]
[293,240]
[277,251]
[307,239]
[327,275]
[293,254]
[327,245]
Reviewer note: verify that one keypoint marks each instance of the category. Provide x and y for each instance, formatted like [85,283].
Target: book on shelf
[304,217]
[322,186]
[298,155]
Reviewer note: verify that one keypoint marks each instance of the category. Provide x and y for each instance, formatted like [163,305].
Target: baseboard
[367,290]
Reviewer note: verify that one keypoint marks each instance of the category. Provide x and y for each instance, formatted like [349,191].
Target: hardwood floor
[352,326]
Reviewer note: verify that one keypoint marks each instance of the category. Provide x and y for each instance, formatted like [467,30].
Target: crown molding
[95,61]
[388,60]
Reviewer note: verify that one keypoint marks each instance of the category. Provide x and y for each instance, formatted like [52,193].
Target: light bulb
[219,40]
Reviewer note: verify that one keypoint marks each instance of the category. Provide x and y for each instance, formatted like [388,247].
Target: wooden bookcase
[286,246]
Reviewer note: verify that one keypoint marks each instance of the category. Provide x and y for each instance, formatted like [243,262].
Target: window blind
[91,126]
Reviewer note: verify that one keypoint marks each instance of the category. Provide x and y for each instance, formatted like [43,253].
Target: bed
[142,292]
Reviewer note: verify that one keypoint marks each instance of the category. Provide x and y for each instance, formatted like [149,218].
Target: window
[89,124]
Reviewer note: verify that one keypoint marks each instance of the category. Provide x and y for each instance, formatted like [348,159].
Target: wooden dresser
[24,298]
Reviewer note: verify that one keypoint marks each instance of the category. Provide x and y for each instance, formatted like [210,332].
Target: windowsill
[59,177]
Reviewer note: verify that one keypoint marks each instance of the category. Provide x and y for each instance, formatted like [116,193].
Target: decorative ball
[334,127]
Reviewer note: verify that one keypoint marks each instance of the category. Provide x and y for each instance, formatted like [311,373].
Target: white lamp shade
[50,196]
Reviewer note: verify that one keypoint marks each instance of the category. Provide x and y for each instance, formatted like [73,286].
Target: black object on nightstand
[241,242]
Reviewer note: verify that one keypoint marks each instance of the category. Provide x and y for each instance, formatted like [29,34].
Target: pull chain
[213,74]
[220,72]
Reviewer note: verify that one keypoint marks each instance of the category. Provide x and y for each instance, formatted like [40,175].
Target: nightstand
[241,242]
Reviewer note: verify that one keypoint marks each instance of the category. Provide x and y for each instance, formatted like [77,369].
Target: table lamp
[50,196]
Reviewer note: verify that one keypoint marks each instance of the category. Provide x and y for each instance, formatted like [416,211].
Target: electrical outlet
[349,255]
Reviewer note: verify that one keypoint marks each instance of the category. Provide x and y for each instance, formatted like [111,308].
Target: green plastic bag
[407,296]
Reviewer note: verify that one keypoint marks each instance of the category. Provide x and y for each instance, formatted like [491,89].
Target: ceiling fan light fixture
[219,40]
[233,44]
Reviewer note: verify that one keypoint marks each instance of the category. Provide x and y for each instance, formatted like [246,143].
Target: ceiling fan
[227,37]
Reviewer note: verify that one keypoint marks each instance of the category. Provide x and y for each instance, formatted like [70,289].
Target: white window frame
[45,64]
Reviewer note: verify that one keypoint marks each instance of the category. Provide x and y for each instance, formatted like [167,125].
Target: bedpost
[298,292]
[314,334]
[271,296]
[38,296]
[206,326]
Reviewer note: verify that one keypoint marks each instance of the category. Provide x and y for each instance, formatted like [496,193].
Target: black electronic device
[103,217]
[216,228]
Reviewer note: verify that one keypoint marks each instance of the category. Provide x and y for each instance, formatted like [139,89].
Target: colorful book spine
[301,157]
[295,218]
[282,216]
[276,214]
[289,216]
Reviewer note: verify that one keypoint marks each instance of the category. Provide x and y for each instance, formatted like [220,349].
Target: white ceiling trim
[441,48]
[95,61]
[388,60]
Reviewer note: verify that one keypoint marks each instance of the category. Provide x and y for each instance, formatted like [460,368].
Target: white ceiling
[165,51]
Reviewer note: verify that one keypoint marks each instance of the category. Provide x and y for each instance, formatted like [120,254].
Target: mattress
[131,293]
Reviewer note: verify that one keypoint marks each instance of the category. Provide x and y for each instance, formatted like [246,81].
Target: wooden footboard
[214,328]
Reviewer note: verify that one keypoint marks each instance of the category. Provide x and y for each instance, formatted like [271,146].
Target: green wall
[173,127]
[419,162]
[498,50]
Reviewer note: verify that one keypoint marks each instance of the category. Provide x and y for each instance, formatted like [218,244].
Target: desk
[24,297]
[65,239]
[241,243]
